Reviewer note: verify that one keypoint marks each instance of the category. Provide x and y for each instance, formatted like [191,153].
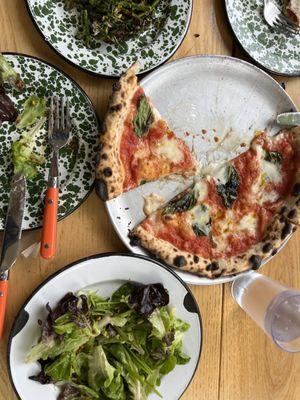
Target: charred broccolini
[114,21]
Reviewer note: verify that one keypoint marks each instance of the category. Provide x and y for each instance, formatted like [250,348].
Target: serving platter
[103,273]
[58,25]
[77,158]
[216,104]
[278,52]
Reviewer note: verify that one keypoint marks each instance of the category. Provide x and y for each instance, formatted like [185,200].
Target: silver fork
[58,136]
[276,19]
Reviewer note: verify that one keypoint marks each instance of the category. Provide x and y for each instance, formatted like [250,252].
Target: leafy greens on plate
[114,21]
[113,349]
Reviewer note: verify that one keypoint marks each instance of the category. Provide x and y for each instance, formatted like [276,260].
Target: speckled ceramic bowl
[275,51]
[58,26]
[77,158]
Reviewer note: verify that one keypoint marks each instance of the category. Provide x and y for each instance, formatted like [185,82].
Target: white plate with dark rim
[77,159]
[58,26]
[219,95]
[103,273]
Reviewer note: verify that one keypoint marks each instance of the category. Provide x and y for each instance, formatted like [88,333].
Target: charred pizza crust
[283,224]
[110,171]
[292,10]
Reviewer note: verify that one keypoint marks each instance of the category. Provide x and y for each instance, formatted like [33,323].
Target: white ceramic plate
[104,273]
[220,95]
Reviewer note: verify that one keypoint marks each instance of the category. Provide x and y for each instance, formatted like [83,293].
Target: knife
[289,119]
[11,237]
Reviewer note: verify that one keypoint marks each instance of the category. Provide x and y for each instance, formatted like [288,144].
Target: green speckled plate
[58,26]
[276,52]
[77,158]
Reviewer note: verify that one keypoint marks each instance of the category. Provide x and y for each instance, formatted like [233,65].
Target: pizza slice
[234,217]
[137,146]
[292,10]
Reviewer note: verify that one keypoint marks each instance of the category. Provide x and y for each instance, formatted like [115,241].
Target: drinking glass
[274,307]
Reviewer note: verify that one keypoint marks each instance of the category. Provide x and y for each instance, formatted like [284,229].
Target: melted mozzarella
[271,171]
[229,224]
[248,223]
[152,202]
[169,148]
[269,196]
[200,215]
[217,171]
[201,189]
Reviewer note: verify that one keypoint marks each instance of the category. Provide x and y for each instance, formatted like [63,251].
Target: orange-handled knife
[11,238]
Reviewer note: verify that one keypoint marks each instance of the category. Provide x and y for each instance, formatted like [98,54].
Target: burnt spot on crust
[274,252]
[104,156]
[196,259]
[282,218]
[267,247]
[296,190]
[286,230]
[298,203]
[179,261]
[292,214]
[130,79]
[294,228]
[116,86]
[101,189]
[214,266]
[134,240]
[219,274]
[283,210]
[255,261]
[102,128]
[117,107]
[107,172]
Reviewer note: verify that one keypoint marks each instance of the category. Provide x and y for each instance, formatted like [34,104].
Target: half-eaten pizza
[232,217]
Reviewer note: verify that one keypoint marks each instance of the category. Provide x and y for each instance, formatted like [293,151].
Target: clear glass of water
[274,307]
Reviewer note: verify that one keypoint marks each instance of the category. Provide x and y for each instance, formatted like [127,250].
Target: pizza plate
[103,273]
[221,102]
[77,159]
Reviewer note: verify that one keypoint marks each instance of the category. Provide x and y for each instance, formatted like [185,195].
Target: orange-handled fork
[58,136]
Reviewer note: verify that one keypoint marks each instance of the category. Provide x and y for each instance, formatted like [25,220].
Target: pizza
[233,217]
[136,144]
[292,10]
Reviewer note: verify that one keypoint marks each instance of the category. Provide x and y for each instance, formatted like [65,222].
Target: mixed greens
[25,157]
[117,348]
[114,21]
[9,75]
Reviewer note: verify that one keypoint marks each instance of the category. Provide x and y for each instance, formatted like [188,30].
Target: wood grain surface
[238,361]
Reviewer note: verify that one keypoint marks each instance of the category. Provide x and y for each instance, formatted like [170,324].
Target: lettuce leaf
[34,108]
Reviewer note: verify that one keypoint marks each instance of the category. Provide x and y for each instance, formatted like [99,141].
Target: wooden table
[238,361]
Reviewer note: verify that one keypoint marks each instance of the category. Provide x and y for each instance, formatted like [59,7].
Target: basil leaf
[228,191]
[274,157]
[181,204]
[144,117]
[201,230]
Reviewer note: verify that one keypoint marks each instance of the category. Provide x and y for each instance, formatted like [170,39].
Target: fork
[276,19]
[58,136]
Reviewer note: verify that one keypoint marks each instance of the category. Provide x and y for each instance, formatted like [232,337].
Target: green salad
[117,348]
[114,21]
